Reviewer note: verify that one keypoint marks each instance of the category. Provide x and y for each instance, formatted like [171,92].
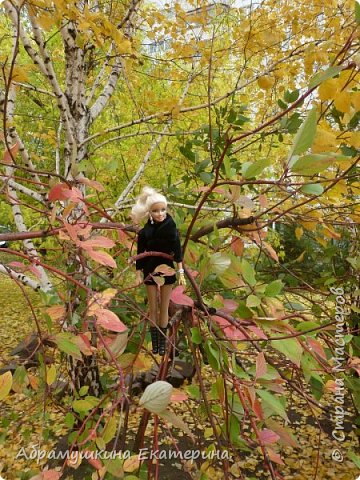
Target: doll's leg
[165,292]
[153,315]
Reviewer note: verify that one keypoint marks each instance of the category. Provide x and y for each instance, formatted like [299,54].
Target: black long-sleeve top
[159,237]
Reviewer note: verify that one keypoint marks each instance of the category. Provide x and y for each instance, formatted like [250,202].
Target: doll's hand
[182,280]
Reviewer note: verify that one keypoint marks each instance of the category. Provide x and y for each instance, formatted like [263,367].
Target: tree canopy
[247,118]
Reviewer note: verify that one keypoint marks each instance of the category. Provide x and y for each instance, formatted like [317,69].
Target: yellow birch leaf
[328,89]
[343,102]
[355,99]
[322,241]
[309,225]
[51,375]
[266,82]
[46,21]
[5,384]
[354,139]
[298,233]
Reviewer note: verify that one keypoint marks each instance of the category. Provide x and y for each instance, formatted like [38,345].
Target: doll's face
[158,211]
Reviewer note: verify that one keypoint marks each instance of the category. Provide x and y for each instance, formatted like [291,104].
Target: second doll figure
[158,235]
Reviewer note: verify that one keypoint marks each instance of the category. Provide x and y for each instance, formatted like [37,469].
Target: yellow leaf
[298,233]
[354,139]
[109,430]
[5,384]
[50,375]
[328,89]
[343,102]
[330,233]
[46,21]
[131,464]
[309,225]
[300,258]
[56,312]
[266,82]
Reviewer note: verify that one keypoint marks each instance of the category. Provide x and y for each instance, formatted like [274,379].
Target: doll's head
[148,200]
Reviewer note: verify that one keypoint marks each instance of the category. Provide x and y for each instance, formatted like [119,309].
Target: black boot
[162,341]
[154,339]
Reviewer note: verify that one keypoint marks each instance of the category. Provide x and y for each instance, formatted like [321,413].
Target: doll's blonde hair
[143,203]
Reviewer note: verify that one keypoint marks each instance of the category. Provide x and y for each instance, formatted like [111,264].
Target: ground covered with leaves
[27,425]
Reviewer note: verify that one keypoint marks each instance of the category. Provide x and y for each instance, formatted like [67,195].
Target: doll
[158,235]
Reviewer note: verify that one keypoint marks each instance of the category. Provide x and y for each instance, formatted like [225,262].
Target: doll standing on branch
[158,235]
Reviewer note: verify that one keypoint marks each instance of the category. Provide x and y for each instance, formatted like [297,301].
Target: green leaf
[85,405]
[196,335]
[290,347]
[352,455]
[253,301]
[274,288]
[357,12]
[248,273]
[322,76]
[219,262]
[115,467]
[69,420]
[213,354]
[109,430]
[313,189]
[305,135]
[253,170]
[310,367]
[272,404]
[194,391]
[291,97]
[206,177]
[315,163]
[64,342]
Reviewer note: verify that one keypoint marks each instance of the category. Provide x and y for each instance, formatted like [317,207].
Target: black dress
[158,237]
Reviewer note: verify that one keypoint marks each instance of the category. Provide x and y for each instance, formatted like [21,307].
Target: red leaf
[93,461]
[83,342]
[258,332]
[59,192]
[10,154]
[230,306]
[99,241]
[257,409]
[51,475]
[102,257]
[271,251]
[178,296]
[316,347]
[229,330]
[261,367]
[18,265]
[267,436]
[109,320]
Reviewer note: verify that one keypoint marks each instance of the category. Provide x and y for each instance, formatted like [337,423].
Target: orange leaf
[10,154]
[237,246]
[59,192]
[92,183]
[109,320]
[178,396]
[98,241]
[316,347]
[274,457]
[261,367]
[102,257]
[56,312]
